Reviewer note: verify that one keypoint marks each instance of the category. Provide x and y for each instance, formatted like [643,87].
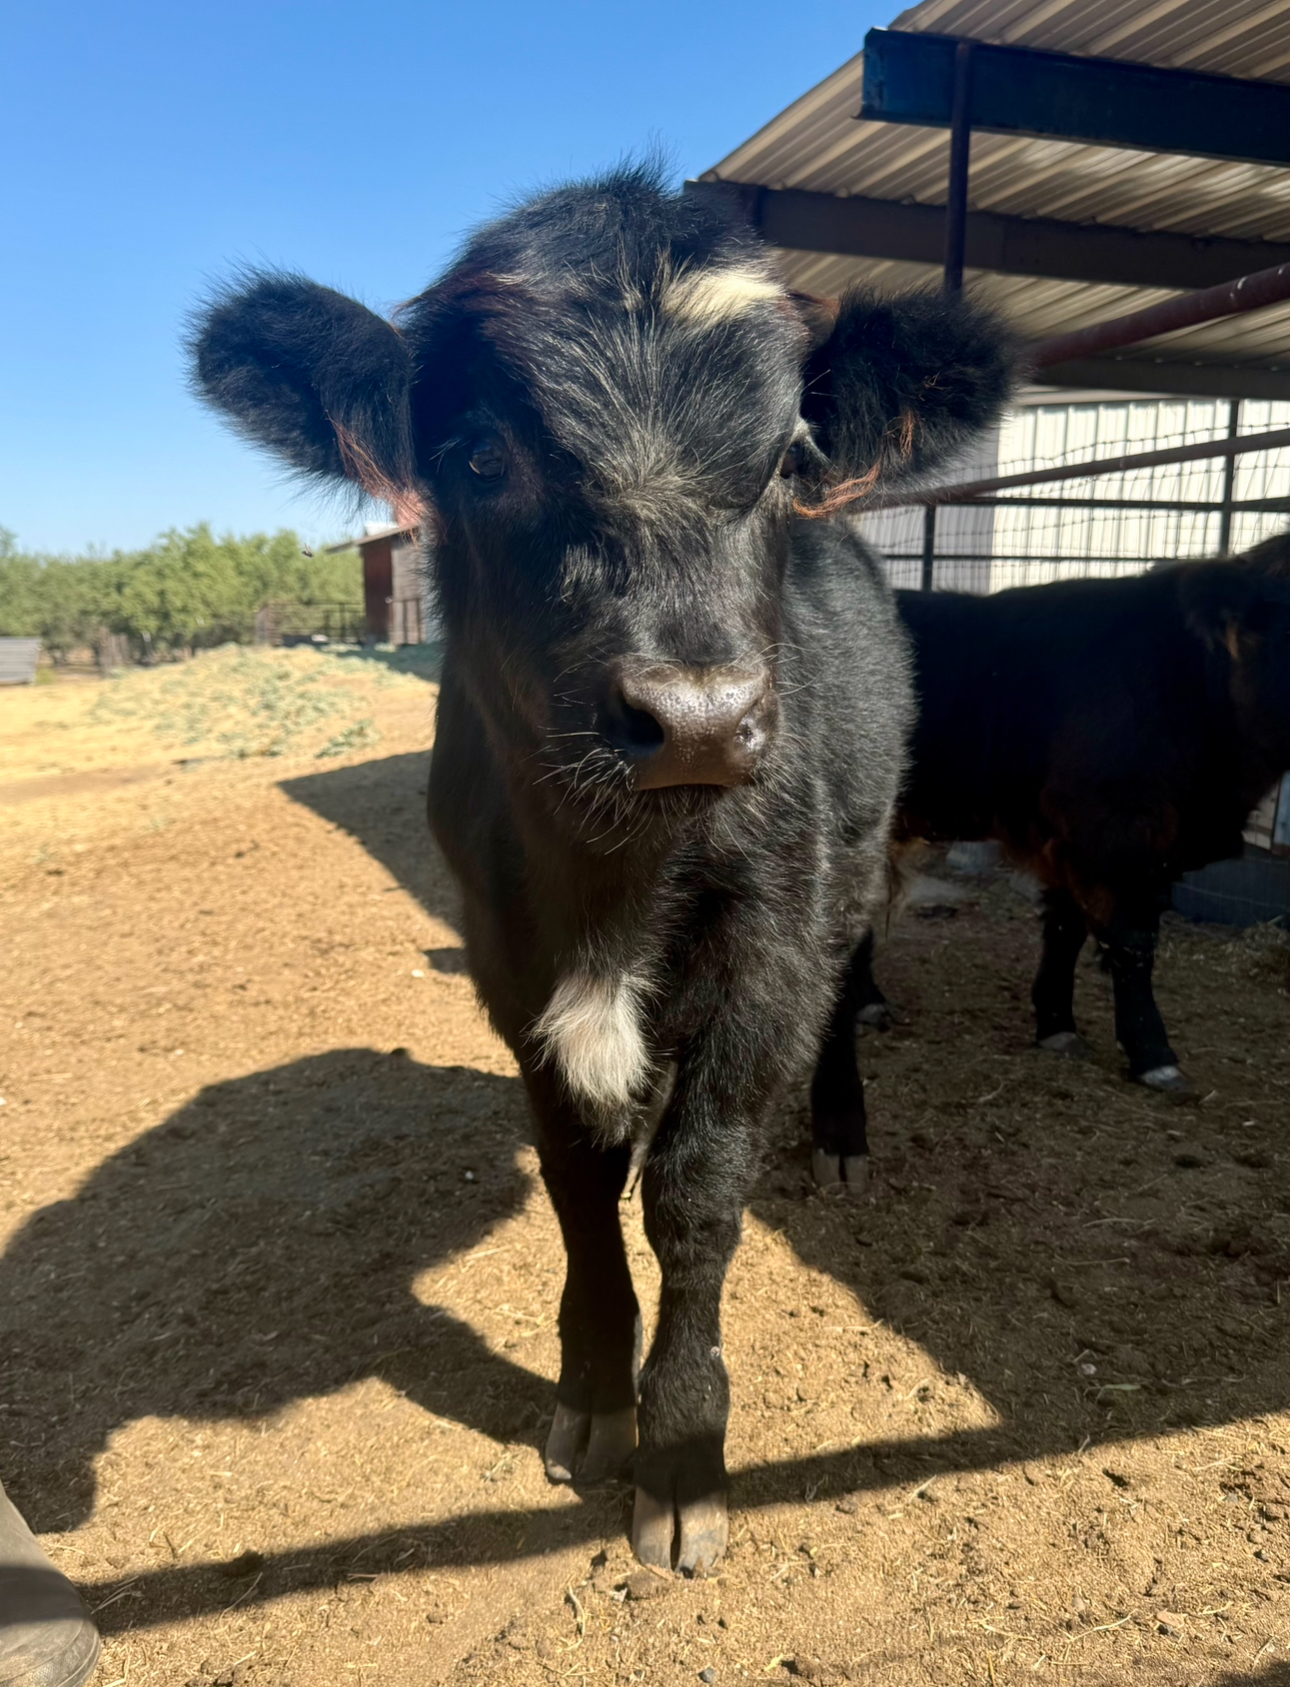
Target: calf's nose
[690,726]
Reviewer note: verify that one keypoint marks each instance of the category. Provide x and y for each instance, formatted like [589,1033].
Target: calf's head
[605,414]
[1241,608]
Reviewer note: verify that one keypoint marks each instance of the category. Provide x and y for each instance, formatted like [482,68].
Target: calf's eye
[790,463]
[487,460]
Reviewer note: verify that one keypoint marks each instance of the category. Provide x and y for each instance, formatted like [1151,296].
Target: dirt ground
[279,1278]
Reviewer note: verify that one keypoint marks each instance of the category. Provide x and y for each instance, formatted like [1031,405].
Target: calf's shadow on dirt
[999,1238]
[261,1247]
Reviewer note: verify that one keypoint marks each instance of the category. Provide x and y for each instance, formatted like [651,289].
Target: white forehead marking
[591,1028]
[706,297]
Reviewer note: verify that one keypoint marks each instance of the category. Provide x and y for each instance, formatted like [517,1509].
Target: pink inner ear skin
[407,506]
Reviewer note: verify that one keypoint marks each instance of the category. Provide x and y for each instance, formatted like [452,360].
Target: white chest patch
[591,1029]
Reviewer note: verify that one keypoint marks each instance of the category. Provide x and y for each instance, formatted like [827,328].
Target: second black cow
[1111,734]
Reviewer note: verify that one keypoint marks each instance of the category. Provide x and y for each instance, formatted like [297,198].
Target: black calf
[672,717]
[1112,734]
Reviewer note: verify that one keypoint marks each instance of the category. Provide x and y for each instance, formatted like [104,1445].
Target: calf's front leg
[694,1186]
[693,1189]
[593,1433]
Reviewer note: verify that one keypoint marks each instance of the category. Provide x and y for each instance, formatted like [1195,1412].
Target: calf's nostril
[633,731]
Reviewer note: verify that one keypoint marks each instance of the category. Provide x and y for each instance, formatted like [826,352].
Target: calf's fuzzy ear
[316,377]
[902,384]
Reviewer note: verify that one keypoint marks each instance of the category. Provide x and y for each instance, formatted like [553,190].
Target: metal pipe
[960,154]
[1250,506]
[972,489]
[1229,479]
[1140,563]
[929,548]
[1247,292]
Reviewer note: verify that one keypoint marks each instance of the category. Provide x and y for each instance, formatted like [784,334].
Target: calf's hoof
[877,1015]
[1069,1044]
[846,1175]
[1168,1080]
[589,1447]
[698,1529]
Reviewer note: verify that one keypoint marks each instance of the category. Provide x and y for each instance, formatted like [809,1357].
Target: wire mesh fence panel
[1033,541]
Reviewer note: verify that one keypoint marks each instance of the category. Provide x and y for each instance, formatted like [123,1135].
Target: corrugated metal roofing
[817,144]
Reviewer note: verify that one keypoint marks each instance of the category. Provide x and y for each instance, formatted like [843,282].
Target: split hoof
[1069,1044]
[877,1015]
[699,1531]
[1167,1080]
[840,1174]
[589,1447]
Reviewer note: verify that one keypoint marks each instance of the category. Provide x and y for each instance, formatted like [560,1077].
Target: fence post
[929,547]
[1229,479]
[960,152]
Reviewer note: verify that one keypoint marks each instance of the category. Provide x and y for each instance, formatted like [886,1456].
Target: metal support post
[1229,479]
[929,548]
[960,151]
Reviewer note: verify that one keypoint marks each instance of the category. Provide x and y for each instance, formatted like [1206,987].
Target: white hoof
[1167,1080]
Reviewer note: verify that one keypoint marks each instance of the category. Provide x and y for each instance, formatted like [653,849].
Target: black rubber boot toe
[46,1636]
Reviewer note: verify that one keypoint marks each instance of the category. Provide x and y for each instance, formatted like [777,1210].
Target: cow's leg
[593,1433]
[872,1006]
[1129,939]
[693,1186]
[1065,927]
[840,1147]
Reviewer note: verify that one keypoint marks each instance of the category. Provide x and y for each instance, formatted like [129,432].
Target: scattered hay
[1257,951]
[240,702]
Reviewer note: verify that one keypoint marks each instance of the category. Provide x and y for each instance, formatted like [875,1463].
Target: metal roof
[818,145]
[374,533]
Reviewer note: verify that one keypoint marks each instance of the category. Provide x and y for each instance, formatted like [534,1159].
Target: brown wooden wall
[378,585]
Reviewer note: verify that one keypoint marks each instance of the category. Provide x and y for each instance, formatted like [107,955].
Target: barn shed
[394,586]
[19,658]
[1074,164]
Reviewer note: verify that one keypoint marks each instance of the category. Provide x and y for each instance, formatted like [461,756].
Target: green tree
[186,591]
[19,590]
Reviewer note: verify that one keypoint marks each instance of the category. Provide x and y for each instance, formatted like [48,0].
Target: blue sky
[151,146]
